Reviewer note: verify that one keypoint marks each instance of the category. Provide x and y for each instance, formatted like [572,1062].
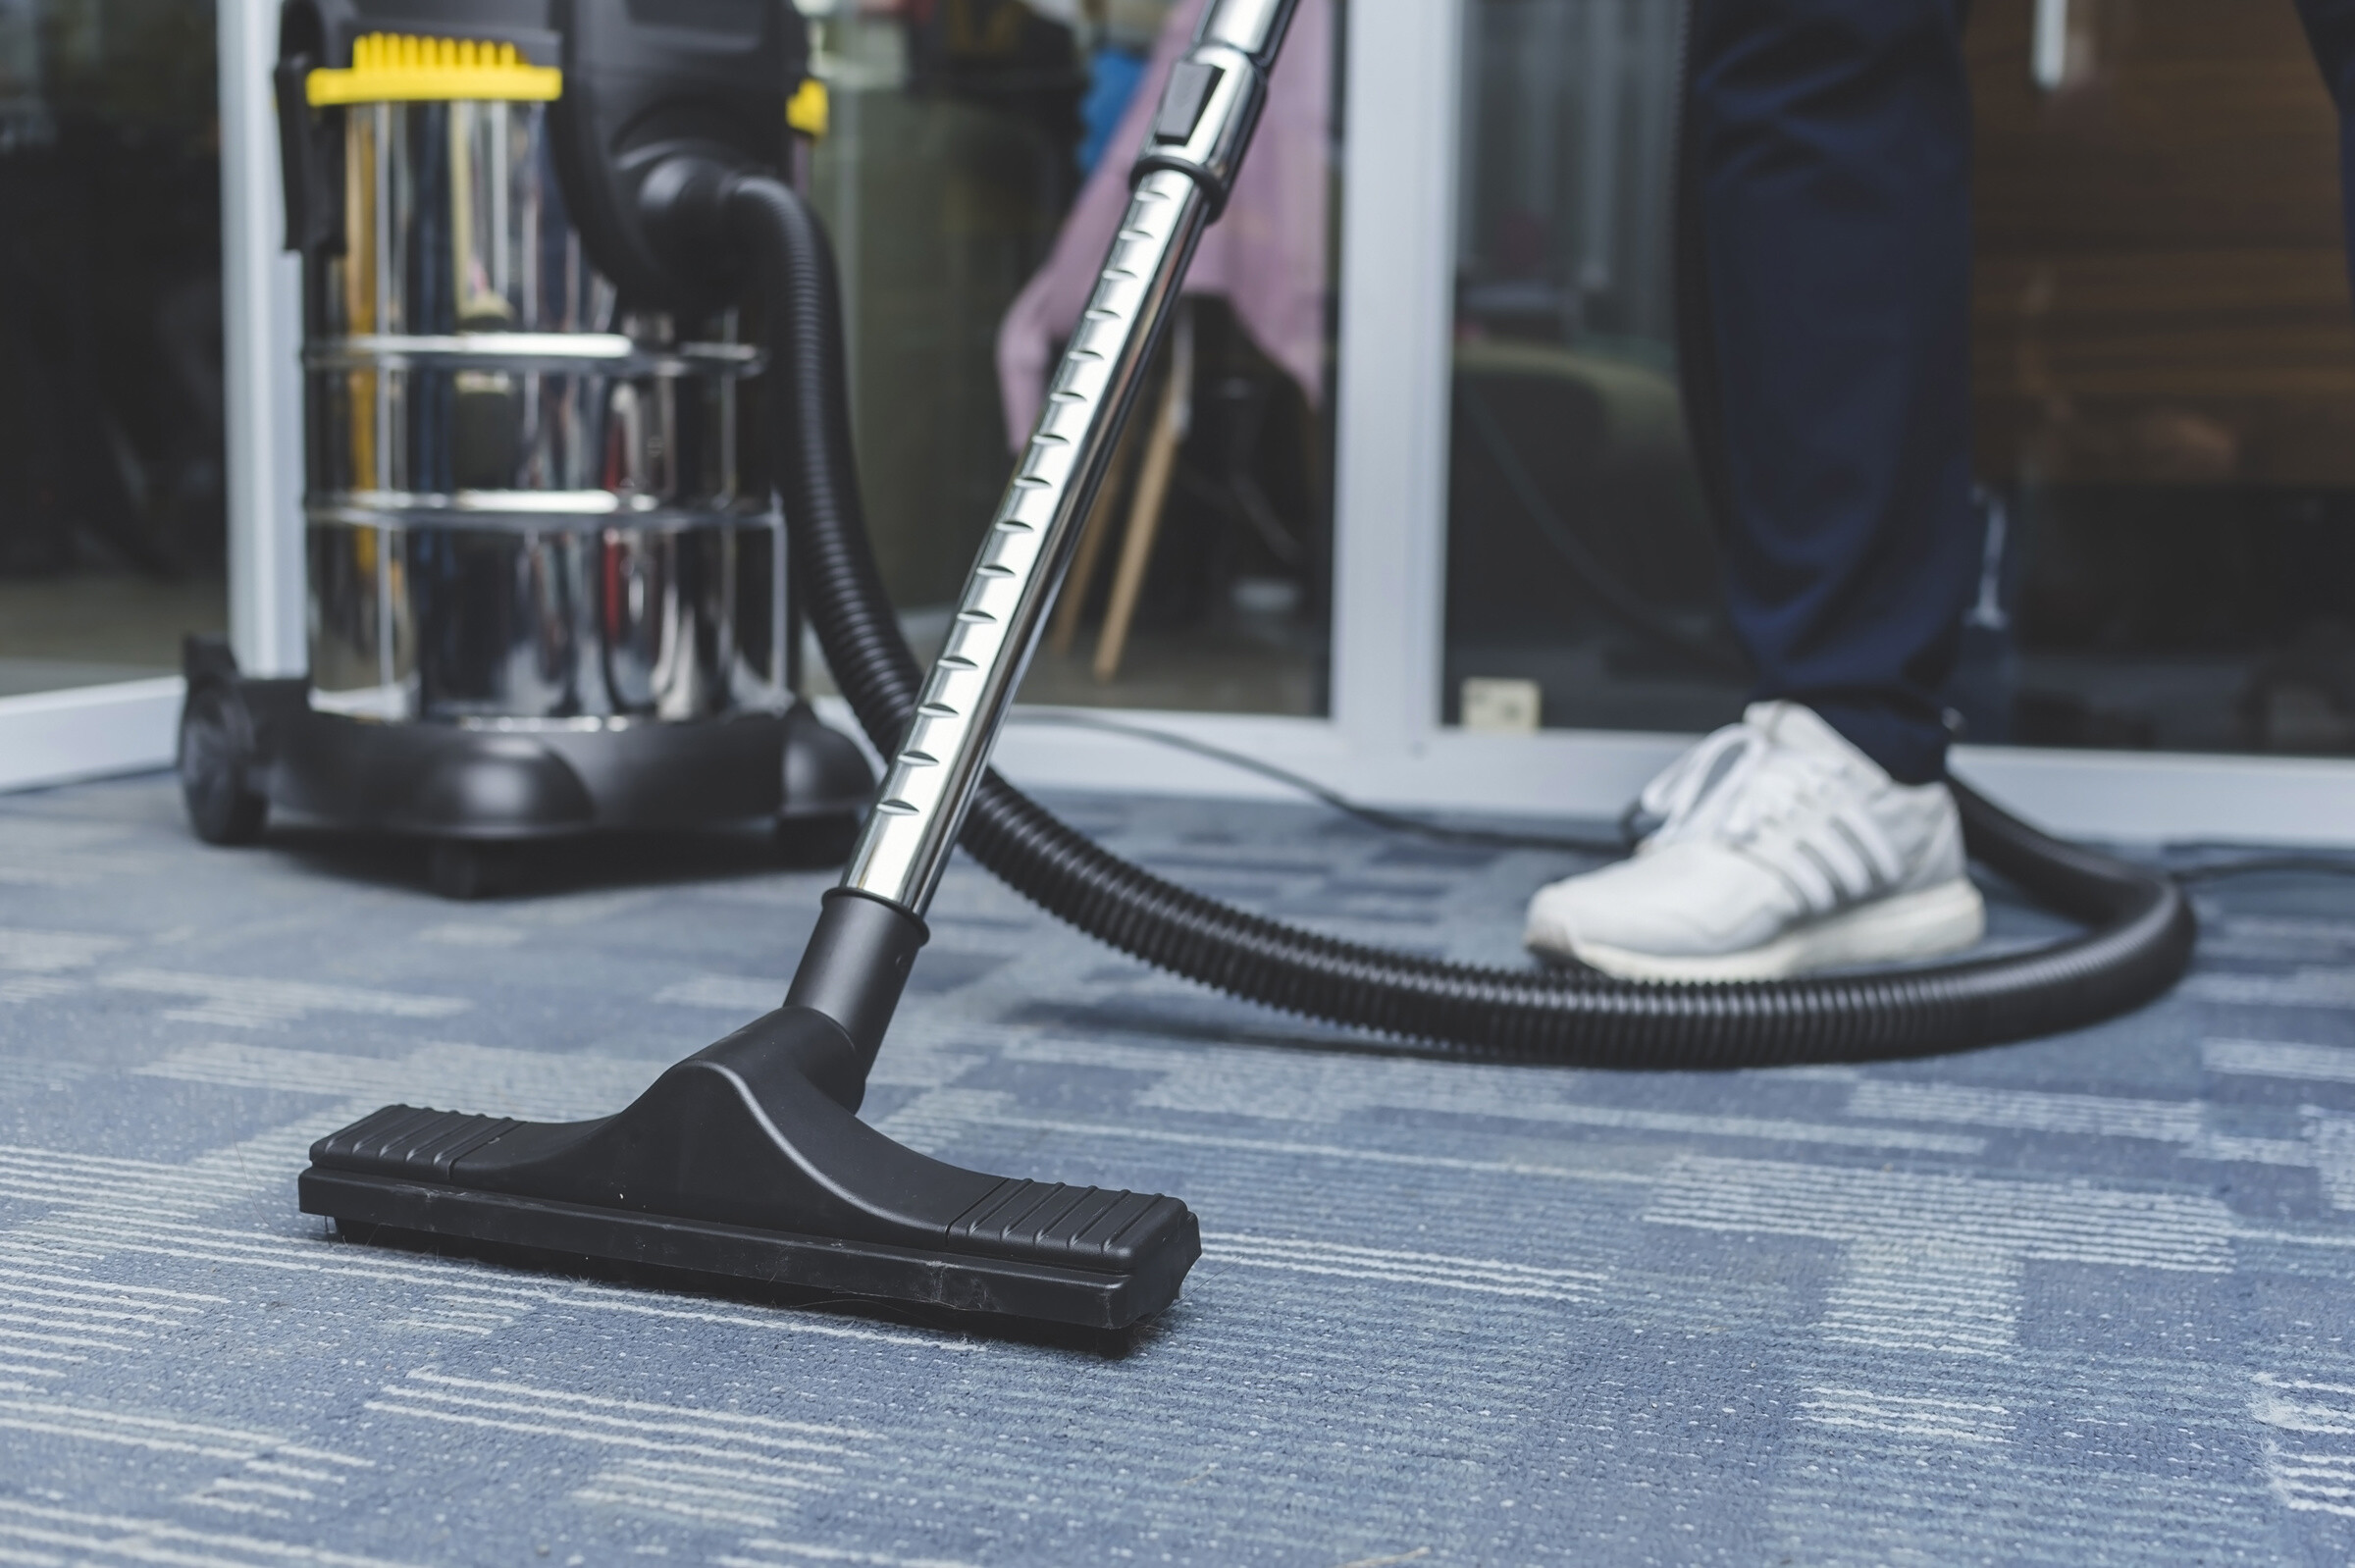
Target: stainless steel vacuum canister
[527,505]
[547,575]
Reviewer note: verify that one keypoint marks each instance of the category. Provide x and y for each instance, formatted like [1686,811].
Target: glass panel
[111,513]
[973,173]
[2166,379]
[1581,571]
[2163,385]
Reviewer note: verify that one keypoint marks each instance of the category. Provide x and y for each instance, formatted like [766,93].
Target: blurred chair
[1265,258]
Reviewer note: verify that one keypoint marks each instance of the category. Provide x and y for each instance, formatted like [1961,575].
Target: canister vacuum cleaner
[547,586]
[747,1162]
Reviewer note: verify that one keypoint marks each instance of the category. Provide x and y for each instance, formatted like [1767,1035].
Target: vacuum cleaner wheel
[220,760]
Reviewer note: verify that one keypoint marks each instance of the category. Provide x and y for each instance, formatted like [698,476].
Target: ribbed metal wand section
[1022,559]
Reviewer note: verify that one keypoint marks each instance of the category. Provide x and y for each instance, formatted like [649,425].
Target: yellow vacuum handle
[396,68]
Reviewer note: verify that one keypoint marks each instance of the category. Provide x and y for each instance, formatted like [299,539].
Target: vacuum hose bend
[2141,932]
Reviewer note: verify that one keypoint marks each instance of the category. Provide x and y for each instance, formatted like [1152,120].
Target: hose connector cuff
[1208,112]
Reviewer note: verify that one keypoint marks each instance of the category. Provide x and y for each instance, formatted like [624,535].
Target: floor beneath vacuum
[2081,1301]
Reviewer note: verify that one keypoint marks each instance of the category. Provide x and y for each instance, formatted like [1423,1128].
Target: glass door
[112,509]
[1582,567]
[2163,385]
[972,176]
[2165,396]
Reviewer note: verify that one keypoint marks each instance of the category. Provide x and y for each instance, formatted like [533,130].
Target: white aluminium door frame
[1384,743]
[261,319]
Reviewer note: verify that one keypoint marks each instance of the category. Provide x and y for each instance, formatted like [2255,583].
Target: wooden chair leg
[1064,630]
[1152,492]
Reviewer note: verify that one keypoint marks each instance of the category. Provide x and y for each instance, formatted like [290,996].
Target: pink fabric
[1266,254]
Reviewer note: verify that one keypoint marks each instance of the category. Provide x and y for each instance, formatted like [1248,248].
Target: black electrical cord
[1374,816]
[2140,942]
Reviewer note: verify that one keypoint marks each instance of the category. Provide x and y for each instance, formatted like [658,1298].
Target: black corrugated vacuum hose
[2141,932]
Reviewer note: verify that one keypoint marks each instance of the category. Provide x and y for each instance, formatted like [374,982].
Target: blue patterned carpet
[2081,1301]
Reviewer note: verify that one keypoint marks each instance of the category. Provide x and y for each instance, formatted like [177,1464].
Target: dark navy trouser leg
[1830,168]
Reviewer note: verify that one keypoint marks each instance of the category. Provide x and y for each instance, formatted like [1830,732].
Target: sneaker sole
[1910,925]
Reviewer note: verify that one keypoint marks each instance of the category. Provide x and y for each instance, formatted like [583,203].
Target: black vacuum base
[747,1162]
[249,747]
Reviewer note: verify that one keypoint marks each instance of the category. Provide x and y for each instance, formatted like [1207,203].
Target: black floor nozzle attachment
[744,1160]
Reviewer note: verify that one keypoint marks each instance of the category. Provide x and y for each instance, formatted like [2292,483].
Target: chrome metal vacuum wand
[1182,183]
[872,922]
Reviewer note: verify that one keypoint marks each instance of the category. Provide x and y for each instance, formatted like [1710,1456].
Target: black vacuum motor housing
[643,81]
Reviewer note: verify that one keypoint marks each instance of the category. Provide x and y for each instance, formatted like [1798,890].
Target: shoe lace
[1713,771]
[1738,785]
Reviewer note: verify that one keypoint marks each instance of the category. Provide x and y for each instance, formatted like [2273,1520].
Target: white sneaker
[1780,849]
